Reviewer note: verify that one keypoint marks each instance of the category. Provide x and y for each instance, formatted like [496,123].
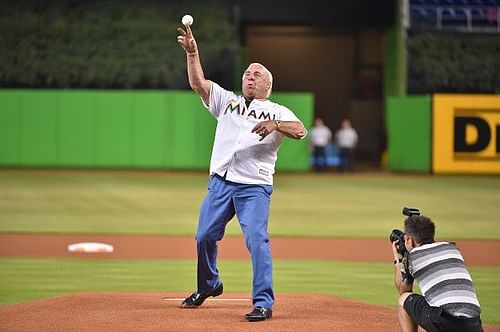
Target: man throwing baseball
[249,131]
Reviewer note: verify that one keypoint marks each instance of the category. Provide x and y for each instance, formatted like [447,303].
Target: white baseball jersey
[321,136]
[237,152]
[346,138]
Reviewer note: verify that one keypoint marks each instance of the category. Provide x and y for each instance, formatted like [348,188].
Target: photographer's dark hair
[421,228]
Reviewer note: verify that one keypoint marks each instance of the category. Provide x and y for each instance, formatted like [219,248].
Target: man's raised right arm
[196,77]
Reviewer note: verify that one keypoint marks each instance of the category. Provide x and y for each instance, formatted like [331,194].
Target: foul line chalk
[90,247]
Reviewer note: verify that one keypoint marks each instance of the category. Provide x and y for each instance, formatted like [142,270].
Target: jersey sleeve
[219,97]
[287,115]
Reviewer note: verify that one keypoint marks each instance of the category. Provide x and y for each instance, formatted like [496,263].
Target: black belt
[220,177]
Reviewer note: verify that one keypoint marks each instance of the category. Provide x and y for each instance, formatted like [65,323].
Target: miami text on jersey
[234,106]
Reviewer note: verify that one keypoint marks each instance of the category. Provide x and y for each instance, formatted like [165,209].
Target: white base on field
[90,247]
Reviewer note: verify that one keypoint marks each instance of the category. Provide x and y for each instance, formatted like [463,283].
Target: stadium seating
[462,15]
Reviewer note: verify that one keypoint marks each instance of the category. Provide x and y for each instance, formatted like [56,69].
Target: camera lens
[396,234]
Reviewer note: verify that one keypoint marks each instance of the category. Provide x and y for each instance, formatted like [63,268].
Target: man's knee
[202,237]
[208,236]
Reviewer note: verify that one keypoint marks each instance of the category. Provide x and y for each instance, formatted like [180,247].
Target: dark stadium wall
[332,49]
[308,59]
[341,67]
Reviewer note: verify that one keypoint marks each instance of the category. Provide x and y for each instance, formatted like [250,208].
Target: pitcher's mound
[108,311]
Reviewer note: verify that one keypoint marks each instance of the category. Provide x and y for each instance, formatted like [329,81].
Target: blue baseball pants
[250,203]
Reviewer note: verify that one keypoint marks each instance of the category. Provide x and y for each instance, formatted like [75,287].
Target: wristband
[399,260]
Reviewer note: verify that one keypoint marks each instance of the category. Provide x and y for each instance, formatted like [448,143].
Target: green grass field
[463,207]
[302,205]
[26,279]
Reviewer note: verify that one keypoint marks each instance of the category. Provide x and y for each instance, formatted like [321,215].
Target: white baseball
[187,20]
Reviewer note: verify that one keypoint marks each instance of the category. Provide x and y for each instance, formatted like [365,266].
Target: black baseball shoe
[258,314]
[196,299]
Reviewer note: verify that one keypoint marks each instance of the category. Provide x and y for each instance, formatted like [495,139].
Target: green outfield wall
[409,131]
[129,129]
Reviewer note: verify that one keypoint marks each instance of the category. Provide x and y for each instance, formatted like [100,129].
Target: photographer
[449,301]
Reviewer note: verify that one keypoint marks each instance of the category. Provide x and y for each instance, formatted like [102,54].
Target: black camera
[398,235]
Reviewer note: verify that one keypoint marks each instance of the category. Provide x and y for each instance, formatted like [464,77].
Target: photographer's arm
[401,286]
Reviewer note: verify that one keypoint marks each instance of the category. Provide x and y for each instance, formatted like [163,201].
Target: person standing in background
[321,137]
[346,139]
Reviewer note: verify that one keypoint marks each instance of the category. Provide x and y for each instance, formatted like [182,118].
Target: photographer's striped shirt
[441,274]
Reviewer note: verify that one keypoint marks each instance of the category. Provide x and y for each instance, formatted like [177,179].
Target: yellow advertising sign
[466,134]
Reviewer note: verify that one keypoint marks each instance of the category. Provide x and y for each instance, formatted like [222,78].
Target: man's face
[256,82]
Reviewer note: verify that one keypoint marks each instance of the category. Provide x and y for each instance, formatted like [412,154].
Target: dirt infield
[149,312]
[110,311]
[476,253]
